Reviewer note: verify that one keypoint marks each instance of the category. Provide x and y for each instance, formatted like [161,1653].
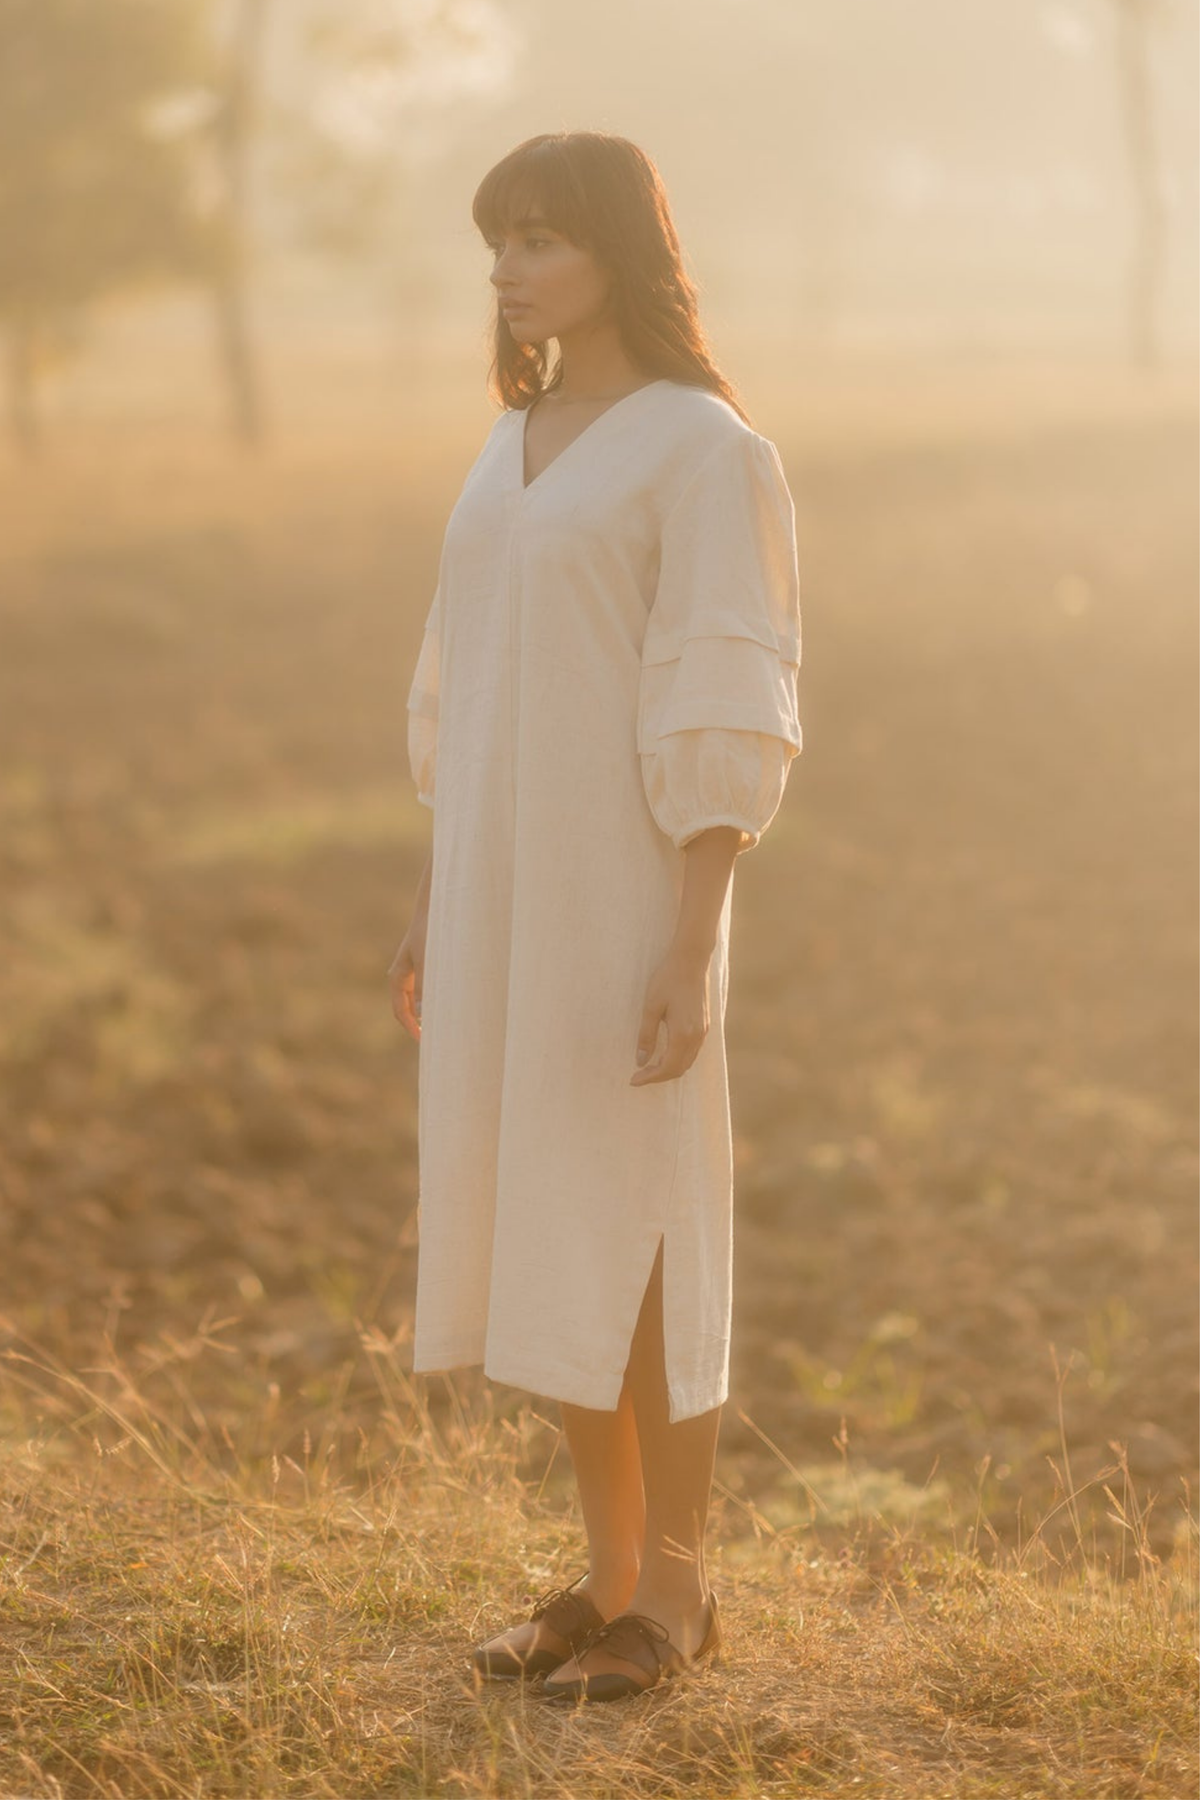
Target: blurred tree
[1148,256]
[124,131]
[90,198]
[237,84]
[369,92]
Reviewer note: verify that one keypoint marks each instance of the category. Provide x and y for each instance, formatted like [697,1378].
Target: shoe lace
[545,1601]
[648,1629]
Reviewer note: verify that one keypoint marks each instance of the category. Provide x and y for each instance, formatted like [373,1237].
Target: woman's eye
[530,243]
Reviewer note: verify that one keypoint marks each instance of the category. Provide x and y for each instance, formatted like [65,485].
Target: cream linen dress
[608,667]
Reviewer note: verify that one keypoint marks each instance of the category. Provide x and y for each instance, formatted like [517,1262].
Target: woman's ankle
[609,1588]
[667,1585]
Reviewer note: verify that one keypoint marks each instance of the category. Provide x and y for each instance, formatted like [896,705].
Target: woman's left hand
[677,993]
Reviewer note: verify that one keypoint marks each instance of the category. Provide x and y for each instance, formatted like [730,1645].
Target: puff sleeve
[718,722]
[423,705]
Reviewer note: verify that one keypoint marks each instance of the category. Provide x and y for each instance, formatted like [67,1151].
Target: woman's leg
[676,1468]
[605,1455]
[644,1487]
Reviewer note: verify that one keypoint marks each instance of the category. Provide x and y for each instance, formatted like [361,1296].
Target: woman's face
[547,286]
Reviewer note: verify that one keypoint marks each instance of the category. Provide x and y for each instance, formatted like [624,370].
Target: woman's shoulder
[706,423]
[707,438]
[705,410]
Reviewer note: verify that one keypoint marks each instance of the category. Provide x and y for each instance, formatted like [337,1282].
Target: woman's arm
[678,989]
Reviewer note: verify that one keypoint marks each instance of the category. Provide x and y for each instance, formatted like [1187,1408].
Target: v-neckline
[528,486]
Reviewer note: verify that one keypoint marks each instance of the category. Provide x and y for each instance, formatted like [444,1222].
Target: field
[244,1548]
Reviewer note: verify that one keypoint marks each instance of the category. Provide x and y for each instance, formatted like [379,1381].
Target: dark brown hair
[604,194]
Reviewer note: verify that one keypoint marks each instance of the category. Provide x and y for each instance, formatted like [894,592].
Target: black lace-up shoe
[566,1619]
[644,1646]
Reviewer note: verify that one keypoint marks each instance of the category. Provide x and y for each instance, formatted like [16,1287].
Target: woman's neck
[596,367]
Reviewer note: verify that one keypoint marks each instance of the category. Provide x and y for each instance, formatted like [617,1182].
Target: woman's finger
[403,1003]
[682,1048]
[647,1037]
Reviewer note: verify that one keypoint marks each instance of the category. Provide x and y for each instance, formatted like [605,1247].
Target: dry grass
[181,1620]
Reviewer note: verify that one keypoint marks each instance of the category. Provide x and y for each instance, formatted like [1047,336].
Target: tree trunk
[1147,254]
[235,342]
[235,348]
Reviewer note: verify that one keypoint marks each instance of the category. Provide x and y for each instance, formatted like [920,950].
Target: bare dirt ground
[962,1022]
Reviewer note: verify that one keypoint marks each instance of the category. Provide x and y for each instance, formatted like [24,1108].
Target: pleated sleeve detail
[423,698]
[717,776]
[718,721]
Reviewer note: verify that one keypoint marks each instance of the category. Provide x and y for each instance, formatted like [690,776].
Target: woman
[605,699]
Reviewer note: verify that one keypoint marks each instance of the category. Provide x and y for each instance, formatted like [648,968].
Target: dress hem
[598,1392]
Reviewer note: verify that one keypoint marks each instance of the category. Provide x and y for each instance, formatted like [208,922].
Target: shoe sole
[610,1686]
[520,1672]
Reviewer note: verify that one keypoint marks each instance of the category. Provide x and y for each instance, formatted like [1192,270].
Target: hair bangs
[531,182]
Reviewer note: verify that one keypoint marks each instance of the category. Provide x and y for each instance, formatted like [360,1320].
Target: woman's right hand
[406,976]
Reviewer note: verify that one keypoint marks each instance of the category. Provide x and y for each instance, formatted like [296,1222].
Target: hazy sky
[851,170]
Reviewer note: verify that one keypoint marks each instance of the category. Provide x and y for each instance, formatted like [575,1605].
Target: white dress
[608,667]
